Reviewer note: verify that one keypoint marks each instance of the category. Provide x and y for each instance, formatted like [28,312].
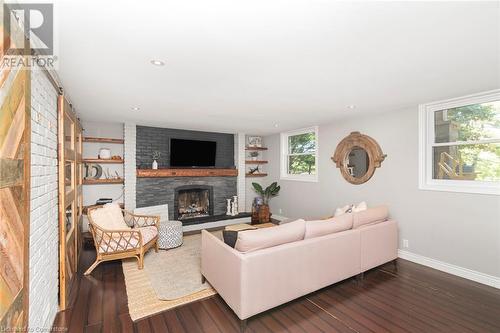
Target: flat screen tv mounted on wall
[192,153]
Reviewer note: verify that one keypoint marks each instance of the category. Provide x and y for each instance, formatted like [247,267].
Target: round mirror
[358,162]
[357,156]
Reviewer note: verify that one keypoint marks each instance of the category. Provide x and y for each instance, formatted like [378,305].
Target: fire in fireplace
[193,202]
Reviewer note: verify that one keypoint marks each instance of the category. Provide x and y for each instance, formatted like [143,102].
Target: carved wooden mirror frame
[373,150]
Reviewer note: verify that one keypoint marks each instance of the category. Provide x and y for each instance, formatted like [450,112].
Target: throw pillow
[116,220]
[360,207]
[230,237]
[343,210]
[351,208]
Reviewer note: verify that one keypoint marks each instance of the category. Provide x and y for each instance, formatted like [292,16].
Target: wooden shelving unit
[102,161]
[251,175]
[102,181]
[256,162]
[103,140]
[255,148]
[90,139]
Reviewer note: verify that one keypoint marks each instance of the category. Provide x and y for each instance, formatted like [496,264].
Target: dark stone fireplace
[160,191]
[193,201]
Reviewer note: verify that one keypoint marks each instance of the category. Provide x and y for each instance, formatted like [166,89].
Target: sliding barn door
[14,196]
[69,148]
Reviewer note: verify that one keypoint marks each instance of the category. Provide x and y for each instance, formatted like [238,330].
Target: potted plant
[254,155]
[270,191]
[156,156]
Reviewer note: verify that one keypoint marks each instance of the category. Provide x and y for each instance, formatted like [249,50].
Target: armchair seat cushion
[148,233]
[128,242]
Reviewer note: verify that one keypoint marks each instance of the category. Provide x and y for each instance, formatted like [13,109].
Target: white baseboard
[465,273]
[279,217]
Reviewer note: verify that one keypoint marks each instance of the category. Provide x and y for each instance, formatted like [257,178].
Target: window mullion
[464,143]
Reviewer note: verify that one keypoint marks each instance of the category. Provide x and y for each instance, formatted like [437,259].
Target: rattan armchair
[125,243]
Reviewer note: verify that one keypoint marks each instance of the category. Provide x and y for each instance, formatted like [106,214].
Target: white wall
[457,228]
[44,248]
[130,137]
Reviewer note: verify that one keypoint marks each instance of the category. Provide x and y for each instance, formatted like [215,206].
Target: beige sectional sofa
[259,278]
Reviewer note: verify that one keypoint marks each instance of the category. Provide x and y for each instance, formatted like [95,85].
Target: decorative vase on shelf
[264,214]
[155,165]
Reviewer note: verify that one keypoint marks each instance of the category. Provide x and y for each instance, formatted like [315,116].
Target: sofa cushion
[328,226]
[252,240]
[370,216]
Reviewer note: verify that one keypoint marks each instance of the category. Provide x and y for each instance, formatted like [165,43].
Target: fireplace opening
[193,202]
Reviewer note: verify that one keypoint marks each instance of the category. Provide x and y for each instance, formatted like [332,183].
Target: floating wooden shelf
[255,148]
[256,162]
[256,175]
[146,173]
[102,181]
[99,161]
[102,140]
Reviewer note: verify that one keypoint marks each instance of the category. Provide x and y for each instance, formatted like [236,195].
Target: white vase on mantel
[155,165]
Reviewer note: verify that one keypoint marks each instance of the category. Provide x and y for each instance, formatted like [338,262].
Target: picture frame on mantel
[254,141]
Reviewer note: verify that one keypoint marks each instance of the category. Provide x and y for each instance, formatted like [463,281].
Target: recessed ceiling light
[352,106]
[135,108]
[157,62]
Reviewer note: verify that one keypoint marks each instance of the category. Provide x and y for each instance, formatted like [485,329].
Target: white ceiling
[247,65]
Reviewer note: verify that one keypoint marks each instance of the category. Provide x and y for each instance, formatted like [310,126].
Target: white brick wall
[129,136]
[44,263]
[239,160]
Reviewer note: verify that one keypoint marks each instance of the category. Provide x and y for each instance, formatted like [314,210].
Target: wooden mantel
[208,172]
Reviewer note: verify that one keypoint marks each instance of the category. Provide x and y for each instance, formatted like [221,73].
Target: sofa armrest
[379,244]
[222,266]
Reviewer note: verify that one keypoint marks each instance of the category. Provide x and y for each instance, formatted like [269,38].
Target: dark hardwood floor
[411,298]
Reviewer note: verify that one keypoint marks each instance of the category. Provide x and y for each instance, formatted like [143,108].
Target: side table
[170,234]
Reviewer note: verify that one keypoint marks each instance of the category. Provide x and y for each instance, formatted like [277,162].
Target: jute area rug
[169,279]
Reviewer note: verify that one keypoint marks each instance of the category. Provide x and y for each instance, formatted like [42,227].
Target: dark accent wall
[151,139]
[160,191]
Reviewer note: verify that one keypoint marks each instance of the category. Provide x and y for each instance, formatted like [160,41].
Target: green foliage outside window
[302,154]
[474,123]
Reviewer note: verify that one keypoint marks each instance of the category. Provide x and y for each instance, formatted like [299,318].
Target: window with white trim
[460,144]
[299,154]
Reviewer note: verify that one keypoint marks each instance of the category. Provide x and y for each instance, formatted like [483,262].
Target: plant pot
[264,214]
[155,165]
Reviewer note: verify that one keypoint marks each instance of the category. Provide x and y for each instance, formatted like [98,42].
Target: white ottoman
[170,234]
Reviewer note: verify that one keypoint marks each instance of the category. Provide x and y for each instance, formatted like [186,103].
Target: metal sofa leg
[243,325]
[395,263]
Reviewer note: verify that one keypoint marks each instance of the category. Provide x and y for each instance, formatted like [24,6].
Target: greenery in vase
[156,155]
[270,191]
[254,154]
